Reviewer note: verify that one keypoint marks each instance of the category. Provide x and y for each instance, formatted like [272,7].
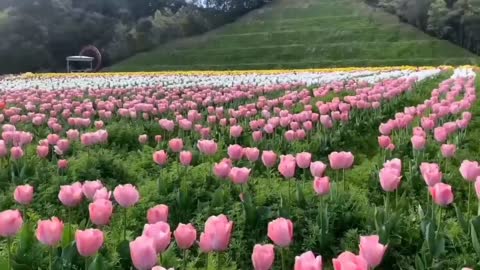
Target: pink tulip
[239,175]
[440,134]
[90,187]
[431,173]
[235,152]
[477,187]
[308,261]
[186,158]
[222,169]
[16,153]
[102,193]
[384,141]
[390,179]
[216,235]
[303,160]
[321,185]
[257,136]
[269,158]
[348,260]
[263,257]
[63,145]
[418,142]
[160,233]
[207,147]
[161,268]
[317,168]
[469,170]
[100,211]
[280,231]
[62,164]
[42,151]
[340,160]
[442,194]
[23,194]
[160,157]
[287,167]
[236,131]
[157,213]
[158,138]
[185,235]
[88,241]
[126,195]
[143,253]
[448,150]
[10,223]
[71,195]
[143,139]
[252,153]
[176,145]
[289,135]
[73,134]
[372,250]
[50,232]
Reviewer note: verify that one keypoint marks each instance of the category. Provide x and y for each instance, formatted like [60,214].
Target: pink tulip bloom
[448,150]
[303,160]
[263,257]
[143,253]
[63,145]
[239,175]
[126,195]
[102,193]
[185,235]
[207,147]
[289,135]
[73,134]
[71,195]
[157,213]
[317,168]
[158,138]
[341,160]
[176,145]
[100,211]
[53,139]
[394,163]
[160,233]
[143,139]
[50,232]
[160,157]
[16,153]
[442,194]
[384,141]
[161,268]
[186,158]
[348,260]
[23,194]
[89,241]
[287,167]
[440,134]
[469,170]
[62,164]
[308,261]
[431,173]
[321,185]
[257,136]
[390,179]
[216,235]
[236,131]
[280,231]
[372,250]
[252,153]
[89,188]
[235,152]
[269,158]
[10,222]
[222,169]
[418,142]
[42,151]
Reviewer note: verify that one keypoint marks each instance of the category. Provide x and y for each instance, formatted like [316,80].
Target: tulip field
[344,169]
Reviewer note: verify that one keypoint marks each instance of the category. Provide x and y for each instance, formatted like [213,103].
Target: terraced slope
[303,34]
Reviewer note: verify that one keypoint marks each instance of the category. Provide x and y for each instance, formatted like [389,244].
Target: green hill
[303,34]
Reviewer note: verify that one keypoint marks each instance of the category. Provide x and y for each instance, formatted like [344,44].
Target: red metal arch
[92,51]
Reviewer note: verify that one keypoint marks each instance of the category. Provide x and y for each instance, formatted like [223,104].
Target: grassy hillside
[303,34]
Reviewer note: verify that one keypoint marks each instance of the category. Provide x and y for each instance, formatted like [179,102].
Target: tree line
[37,35]
[455,20]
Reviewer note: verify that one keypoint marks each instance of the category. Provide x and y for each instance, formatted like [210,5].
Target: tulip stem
[124,223]
[219,261]
[86,263]
[469,197]
[282,255]
[9,262]
[343,180]
[206,261]
[50,257]
[185,259]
